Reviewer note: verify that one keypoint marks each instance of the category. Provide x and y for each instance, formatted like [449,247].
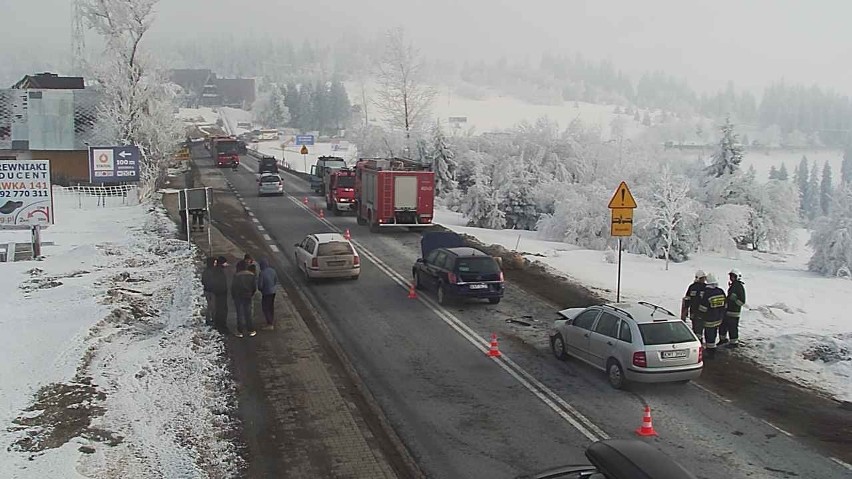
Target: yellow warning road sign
[622,198]
[622,222]
[304,150]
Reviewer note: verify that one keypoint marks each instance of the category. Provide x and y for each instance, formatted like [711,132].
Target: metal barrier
[98,196]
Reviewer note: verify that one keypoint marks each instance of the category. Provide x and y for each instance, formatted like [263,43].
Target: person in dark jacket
[206,280]
[267,283]
[219,287]
[243,289]
[735,302]
[712,311]
[691,302]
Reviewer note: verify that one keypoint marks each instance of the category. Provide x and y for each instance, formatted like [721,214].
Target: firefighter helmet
[711,280]
[736,274]
[700,274]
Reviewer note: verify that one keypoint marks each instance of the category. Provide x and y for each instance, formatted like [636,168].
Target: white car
[638,342]
[270,184]
[327,255]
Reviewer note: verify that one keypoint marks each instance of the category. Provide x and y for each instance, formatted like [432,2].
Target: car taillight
[640,360]
[501,276]
[314,263]
[357,261]
[700,353]
[452,278]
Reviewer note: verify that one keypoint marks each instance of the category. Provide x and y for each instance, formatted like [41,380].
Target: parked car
[270,184]
[327,255]
[619,459]
[638,342]
[454,270]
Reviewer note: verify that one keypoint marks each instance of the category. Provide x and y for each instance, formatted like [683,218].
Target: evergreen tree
[801,179]
[728,155]
[782,173]
[646,120]
[293,103]
[825,189]
[320,106]
[831,241]
[443,162]
[812,200]
[339,104]
[846,166]
[636,116]
[773,173]
[306,109]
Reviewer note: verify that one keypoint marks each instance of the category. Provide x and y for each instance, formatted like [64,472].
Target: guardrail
[281,164]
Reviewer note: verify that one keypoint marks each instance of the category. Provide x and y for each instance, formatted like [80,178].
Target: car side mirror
[420,260]
[297,245]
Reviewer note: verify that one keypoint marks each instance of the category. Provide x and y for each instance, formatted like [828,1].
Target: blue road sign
[114,164]
[305,140]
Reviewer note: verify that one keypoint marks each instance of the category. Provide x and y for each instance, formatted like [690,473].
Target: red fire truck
[339,185]
[225,152]
[393,192]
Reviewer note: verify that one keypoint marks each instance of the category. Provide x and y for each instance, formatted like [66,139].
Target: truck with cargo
[394,192]
[340,190]
[324,163]
[225,152]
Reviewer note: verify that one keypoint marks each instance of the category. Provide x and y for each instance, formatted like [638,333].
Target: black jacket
[692,299]
[736,299]
[244,285]
[214,280]
[712,306]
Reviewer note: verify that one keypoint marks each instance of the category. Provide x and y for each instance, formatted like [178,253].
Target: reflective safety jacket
[736,299]
[712,306]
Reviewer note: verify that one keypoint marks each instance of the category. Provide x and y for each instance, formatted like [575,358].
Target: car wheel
[337,211]
[355,277]
[307,275]
[615,374]
[443,298]
[417,283]
[493,300]
[557,345]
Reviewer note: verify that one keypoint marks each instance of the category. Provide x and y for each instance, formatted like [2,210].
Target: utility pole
[78,39]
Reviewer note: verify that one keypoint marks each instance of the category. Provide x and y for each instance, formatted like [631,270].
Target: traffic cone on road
[322,212]
[412,293]
[305,201]
[494,350]
[347,235]
[647,428]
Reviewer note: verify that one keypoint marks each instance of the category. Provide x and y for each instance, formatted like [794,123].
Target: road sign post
[114,164]
[304,152]
[621,206]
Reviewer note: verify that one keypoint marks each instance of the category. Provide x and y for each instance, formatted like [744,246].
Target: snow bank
[795,323]
[108,371]
[290,155]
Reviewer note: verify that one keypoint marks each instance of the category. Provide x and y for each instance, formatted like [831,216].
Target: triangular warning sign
[622,198]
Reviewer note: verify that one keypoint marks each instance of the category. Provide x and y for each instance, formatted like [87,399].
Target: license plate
[478,286]
[675,354]
[336,263]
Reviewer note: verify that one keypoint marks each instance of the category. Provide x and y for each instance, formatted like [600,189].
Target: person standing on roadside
[712,311]
[734,307]
[219,288]
[267,283]
[691,302]
[206,283]
[242,291]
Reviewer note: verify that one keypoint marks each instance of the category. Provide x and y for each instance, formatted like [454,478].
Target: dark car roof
[466,251]
[439,239]
[632,459]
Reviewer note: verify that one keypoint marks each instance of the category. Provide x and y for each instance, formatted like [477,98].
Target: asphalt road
[464,415]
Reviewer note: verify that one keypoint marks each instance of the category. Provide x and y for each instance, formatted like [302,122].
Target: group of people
[715,314]
[247,281]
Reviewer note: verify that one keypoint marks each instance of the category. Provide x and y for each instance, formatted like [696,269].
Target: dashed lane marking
[773,426]
[716,395]
[274,248]
[267,237]
[841,463]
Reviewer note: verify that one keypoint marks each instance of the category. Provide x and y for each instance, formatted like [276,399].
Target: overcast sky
[751,42]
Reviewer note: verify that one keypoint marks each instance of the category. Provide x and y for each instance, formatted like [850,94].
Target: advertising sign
[25,193]
[113,164]
[305,140]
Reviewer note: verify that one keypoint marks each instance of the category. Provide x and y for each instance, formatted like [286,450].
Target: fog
[751,42]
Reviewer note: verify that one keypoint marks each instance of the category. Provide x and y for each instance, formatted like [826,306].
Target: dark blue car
[456,271]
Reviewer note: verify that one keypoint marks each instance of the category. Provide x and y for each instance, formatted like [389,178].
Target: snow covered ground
[108,371]
[795,323]
[201,116]
[292,159]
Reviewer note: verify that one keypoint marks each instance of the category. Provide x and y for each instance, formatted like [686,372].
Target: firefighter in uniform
[735,302]
[712,311]
[691,302]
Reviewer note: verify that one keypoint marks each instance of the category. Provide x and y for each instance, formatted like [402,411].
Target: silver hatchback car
[638,342]
[270,184]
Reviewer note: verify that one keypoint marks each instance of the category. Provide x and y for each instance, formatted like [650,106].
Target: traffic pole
[305,161]
[618,287]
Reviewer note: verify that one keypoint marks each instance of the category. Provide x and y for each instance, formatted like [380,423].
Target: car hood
[435,240]
[570,313]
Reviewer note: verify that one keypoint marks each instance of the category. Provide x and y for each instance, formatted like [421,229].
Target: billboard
[25,193]
[113,164]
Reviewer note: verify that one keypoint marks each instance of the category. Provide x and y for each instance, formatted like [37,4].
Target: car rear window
[668,332]
[335,248]
[269,179]
[485,265]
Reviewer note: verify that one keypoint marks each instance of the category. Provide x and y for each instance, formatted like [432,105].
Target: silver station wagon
[638,342]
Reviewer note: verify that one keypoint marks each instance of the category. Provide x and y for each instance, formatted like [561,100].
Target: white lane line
[773,426]
[567,412]
[841,463]
[261,229]
[716,395]
[267,237]
[255,221]
[274,248]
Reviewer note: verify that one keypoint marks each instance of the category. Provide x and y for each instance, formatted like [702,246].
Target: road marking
[266,237]
[274,248]
[773,426]
[843,464]
[716,395]
[261,228]
[254,220]
[555,402]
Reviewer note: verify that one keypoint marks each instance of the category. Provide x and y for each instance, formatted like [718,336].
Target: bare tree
[138,105]
[403,97]
[671,208]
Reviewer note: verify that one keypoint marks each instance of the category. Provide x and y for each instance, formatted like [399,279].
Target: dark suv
[455,270]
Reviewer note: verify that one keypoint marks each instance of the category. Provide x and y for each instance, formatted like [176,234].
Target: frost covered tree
[783,175]
[729,153]
[138,102]
[831,239]
[825,189]
[773,173]
[811,201]
[800,176]
[270,109]
[846,166]
[402,96]
[671,212]
[443,162]
[481,201]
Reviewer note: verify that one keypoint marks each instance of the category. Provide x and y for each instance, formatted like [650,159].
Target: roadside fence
[92,197]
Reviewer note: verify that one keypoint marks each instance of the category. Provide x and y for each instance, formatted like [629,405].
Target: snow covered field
[795,323]
[108,371]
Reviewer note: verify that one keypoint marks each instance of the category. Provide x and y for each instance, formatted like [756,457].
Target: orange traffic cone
[494,350]
[347,235]
[305,201]
[322,212]
[412,293]
[647,428]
